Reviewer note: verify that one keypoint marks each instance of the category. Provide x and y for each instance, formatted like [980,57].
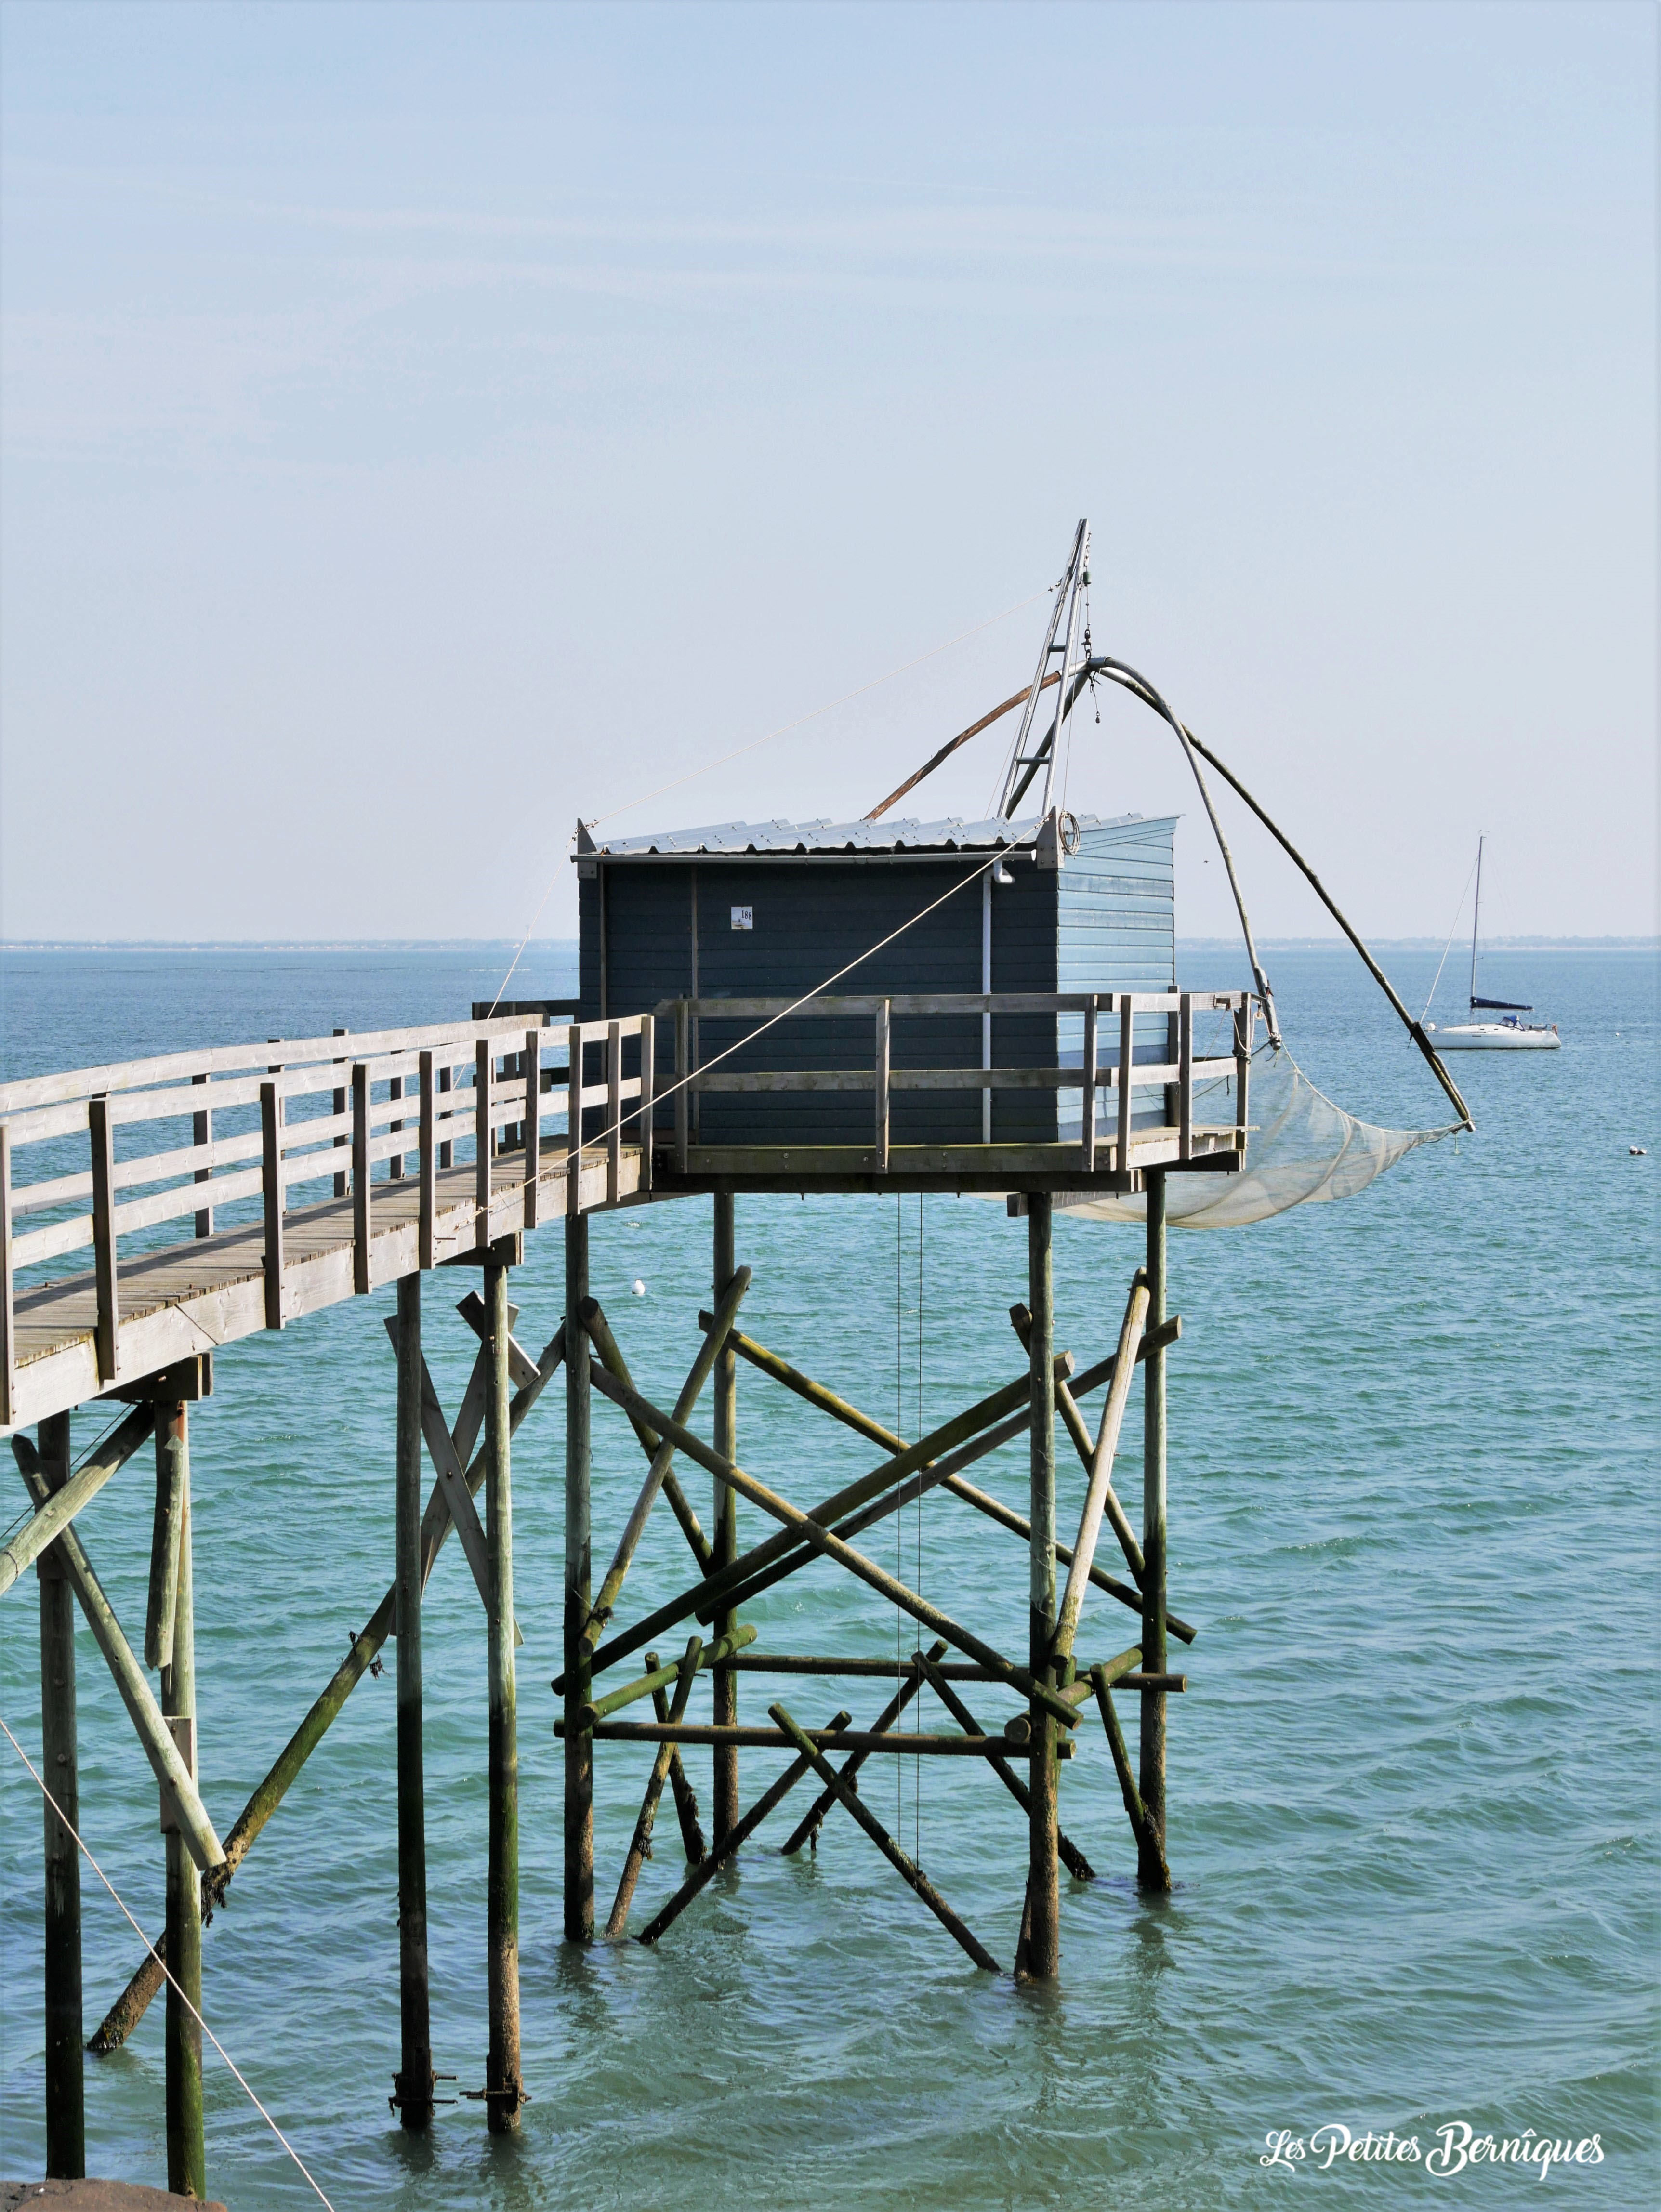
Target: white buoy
[638,1287]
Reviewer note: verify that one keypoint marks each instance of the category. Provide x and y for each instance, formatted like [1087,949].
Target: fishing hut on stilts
[887,1006]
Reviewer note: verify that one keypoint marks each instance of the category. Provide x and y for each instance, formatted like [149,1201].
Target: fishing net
[1302,1148]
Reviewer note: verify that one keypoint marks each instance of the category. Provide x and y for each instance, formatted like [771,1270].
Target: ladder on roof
[1065,641]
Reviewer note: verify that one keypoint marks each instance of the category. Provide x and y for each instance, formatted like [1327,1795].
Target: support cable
[1142,689]
[1120,673]
[996,860]
[241,2078]
[1448,947]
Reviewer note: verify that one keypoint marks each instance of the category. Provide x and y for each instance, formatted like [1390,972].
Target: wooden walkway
[333,1110]
[178,1304]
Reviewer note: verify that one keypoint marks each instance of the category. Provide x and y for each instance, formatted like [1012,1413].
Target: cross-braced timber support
[1053,1687]
[124,1332]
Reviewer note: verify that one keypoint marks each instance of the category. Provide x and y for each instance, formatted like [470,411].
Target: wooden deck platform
[266,1120]
[981,1168]
[194,1297]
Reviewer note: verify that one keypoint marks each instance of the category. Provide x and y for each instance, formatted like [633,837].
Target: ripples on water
[1412,1785]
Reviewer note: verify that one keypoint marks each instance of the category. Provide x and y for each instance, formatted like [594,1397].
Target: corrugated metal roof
[952,835]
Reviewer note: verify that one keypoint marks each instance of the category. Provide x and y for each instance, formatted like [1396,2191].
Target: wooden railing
[441,1088]
[1105,1015]
[486,1084]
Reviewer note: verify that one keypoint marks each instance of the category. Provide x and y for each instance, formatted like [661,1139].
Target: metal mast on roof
[1064,639]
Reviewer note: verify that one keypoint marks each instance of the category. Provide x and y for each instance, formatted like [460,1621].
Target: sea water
[1412,1797]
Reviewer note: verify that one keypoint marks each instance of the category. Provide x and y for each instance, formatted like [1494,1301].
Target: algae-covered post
[725,1546]
[66,2126]
[1152,1871]
[413,2084]
[579,1890]
[504,2089]
[1042,1955]
[186,2150]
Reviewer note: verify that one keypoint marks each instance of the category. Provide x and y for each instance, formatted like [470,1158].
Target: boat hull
[1494,1036]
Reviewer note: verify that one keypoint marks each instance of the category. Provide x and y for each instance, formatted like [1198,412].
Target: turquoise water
[1413,1783]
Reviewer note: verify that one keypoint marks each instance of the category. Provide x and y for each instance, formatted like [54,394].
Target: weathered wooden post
[412,2085]
[187,2167]
[1151,1870]
[579,1745]
[725,1381]
[503,2093]
[66,2131]
[1043,1948]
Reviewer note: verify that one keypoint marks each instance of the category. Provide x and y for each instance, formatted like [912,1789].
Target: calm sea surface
[1413,1783]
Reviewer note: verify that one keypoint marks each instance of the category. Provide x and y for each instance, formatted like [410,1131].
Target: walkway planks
[195,1297]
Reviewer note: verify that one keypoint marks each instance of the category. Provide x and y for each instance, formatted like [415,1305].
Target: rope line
[644,799]
[162,1962]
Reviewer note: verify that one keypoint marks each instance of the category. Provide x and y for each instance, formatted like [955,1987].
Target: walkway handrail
[442,1085]
[1173,1073]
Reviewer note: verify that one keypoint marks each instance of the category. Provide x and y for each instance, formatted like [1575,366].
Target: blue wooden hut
[744,910]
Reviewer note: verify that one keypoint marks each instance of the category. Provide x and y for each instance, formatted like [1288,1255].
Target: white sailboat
[1507,1035]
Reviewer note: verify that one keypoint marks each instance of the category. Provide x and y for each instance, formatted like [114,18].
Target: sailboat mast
[1476,920]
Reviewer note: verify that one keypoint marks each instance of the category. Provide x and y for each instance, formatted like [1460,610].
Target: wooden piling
[1151,1870]
[160,1741]
[187,2174]
[908,1871]
[657,1474]
[726,1546]
[738,1834]
[640,1848]
[686,1798]
[413,2084]
[502,2085]
[66,2132]
[1100,1487]
[164,1550]
[1150,1847]
[1042,1956]
[579,1910]
[130,2007]
[1077,1864]
[611,1356]
[807,1828]
[1073,1421]
[819,1539]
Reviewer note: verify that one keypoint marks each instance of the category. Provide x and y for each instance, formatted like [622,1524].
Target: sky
[422,426]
